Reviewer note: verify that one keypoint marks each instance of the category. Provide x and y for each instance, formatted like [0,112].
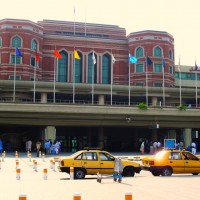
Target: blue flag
[196,67]
[163,62]
[149,61]
[132,59]
[18,53]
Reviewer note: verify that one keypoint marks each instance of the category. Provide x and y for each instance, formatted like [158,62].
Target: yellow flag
[76,56]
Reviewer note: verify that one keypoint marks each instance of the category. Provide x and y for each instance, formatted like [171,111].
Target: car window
[189,156]
[89,156]
[105,157]
[175,156]
[78,157]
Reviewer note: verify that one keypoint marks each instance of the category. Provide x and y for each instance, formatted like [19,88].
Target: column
[187,135]
[101,137]
[50,133]
[44,97]
[154,101]
[101,99]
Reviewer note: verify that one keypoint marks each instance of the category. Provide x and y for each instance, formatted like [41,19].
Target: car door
[192,163]
[90,162]
[176,162]
[106,163]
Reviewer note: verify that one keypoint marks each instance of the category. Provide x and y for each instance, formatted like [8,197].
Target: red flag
[57,54]
[37,56]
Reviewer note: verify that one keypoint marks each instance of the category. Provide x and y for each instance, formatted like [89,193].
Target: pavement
[59,186]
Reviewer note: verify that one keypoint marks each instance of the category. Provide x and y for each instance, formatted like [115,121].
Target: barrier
[16,154]
[22,197]
[29,157]
[17,164]
[35,166]
[18,171]
[3,156]
[53,166]
[43,157]
[77,197]
[71,173]
[128,196]
[45,174]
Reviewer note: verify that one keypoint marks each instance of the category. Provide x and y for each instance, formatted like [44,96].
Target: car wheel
[195,173]
[128,172]
[156,173]
[79,174]
[166,171]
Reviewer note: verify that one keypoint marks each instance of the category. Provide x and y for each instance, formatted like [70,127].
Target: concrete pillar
[101,137]
[187,135]
[154,101]
[50,133]
[44,97]
[101,99]
[136,140]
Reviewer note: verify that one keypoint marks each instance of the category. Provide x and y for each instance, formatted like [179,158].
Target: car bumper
[152,168]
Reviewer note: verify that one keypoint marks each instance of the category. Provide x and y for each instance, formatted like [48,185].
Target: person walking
[193,146]
[29,145]
[118,169]
[38,147]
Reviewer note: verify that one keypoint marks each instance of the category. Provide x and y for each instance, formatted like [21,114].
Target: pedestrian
[1,145]
[38,147]
[142,148]
[47,146]
[193,146]
[118,169]
[29,145]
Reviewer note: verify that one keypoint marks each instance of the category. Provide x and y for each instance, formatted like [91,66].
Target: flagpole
[180,83]
[129,84]
[163,82]
[34,82]
[54,85]
[111,81]
[147,83]
[196,89]
[74,80]
[93,81]
[14,75]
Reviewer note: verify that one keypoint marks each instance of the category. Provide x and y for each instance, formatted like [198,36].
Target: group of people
[150,147]
[48,147]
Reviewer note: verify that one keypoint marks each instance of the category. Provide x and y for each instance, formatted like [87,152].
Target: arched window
[62,67]
[34,45]
[157,52]
[106,66]
[78,69]
[139,52]
[16,42]
[92,69]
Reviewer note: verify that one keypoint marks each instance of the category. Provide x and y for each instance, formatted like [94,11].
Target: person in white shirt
[193,148]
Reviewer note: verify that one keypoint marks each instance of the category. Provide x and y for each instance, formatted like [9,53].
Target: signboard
[170,143]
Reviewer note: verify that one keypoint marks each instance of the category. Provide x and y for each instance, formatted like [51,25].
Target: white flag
[93,58]
[113,59]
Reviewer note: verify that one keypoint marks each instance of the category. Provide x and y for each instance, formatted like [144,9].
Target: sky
[179,18]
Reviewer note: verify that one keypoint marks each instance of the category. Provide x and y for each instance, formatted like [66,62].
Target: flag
[179,67]
[163,62]
[76,56]
[113,59]
[37,56]
[132,59]
[93,58]
[149,61]
[196,67]
[57,54]
[18,53]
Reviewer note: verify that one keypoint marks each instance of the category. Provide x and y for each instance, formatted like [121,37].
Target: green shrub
[182,107]
[142,106]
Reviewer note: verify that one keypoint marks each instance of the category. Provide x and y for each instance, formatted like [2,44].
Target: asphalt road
[59,186]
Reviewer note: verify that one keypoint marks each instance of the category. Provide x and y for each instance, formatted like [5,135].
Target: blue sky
[179,18]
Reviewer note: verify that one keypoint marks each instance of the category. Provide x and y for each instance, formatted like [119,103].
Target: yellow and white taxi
[168,162]
[93,161]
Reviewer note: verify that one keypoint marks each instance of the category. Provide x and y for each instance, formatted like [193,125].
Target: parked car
[168,162]
[93,161]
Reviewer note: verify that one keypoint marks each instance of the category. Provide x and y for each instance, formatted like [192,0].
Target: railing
[89,102]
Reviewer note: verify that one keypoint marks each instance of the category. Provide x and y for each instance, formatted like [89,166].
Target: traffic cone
[77,197]
[128,196]
[45,174]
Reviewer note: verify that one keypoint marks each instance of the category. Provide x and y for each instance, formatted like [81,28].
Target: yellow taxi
[93,161]
[168,162]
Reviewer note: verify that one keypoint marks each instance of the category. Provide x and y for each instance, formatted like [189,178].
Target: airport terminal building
[93,100]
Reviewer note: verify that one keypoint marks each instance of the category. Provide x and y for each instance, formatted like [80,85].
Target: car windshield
[160,154]
[75,154]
